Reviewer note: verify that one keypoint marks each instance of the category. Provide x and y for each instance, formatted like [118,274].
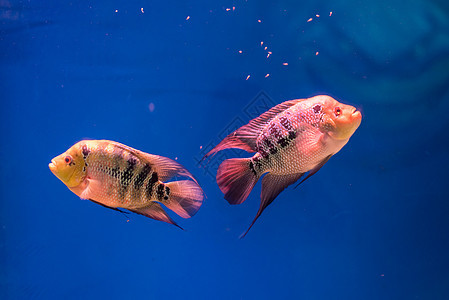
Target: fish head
[70,166]
[340,120]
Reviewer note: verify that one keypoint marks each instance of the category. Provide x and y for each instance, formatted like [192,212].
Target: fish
[289,140]
[117,176]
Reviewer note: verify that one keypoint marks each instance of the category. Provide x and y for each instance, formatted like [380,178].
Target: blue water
[373,223]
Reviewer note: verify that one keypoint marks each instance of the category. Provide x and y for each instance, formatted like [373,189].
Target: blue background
[372,224]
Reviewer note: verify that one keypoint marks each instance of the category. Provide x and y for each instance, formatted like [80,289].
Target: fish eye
[337,111]
[68,159]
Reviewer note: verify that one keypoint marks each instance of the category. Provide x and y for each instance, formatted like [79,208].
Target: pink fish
[289,140]
[117,176]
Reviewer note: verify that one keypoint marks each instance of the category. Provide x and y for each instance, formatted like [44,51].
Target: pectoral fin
[113,208]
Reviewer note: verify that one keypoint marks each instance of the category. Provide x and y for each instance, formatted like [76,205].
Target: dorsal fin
[165,167]
[245,137]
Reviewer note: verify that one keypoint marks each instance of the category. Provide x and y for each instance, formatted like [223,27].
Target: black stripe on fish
[115,172]
[283,142]
[263,152]
[257,161]
[149,190]
[251,167]
[112,172]
[140,178]
[286,123]
[268,143]
[85,151]
[127,175]
[272,148]
[292,135]
[160,191]
[167,192]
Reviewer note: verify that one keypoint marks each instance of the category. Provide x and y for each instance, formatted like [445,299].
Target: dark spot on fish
[154,178]
[283,142]
[167,190]
[263,152]
[292,135]
[160,191]
[149,190]
[251,167]
[165,197]
[257,161]
[272,148]
[274,131]
[317,108]
[268,143]
[85,151]
[140,178]
[132,161]
[286,123]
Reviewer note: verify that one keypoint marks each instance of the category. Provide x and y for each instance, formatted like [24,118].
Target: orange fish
[290,139]
[117,176]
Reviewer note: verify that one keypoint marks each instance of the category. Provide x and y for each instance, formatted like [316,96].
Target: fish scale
[124,176]
[281,134]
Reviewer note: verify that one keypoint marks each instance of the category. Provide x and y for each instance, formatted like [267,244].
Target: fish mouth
[52,165]
[356,113]
[356,118]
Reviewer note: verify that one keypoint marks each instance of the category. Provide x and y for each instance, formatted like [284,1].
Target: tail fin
[185,197]
[236,179]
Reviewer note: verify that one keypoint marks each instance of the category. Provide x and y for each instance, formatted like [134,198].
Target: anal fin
[314,170]
[272,186]
[156,212]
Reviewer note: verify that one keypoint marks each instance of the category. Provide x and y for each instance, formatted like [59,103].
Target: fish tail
[185,197]
[236,178]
